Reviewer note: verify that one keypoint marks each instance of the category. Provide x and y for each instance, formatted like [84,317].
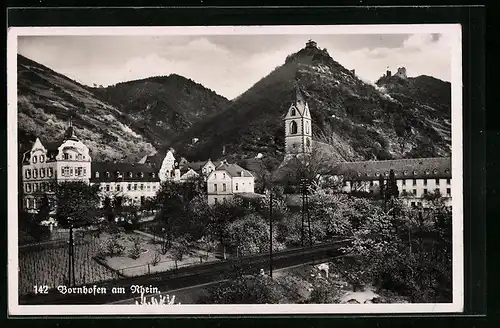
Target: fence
[163,266]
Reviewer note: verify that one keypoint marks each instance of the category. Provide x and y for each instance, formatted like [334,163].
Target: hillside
[358,120]
[46,100]
[163,106]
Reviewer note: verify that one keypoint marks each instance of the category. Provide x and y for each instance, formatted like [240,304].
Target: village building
[227,180]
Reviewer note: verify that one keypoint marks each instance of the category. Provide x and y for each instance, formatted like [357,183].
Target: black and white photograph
[235,170]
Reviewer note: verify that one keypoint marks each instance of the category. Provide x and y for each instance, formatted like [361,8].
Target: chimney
[241,174]
[388,73]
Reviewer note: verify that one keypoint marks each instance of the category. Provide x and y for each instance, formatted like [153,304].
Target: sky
[230,64]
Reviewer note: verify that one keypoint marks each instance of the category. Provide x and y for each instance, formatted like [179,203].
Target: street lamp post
[71,254]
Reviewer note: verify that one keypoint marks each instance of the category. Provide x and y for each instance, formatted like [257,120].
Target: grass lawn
[130,267]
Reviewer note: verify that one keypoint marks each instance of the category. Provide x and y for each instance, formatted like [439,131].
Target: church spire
[299,98]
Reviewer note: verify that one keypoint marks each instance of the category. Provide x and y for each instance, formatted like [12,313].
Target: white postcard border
[457,173]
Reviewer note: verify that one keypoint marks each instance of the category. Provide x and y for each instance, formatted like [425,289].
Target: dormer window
[42,158]
[108,175]
[414,172]
[34,160]
[435,171]
[405,172]
[96,174]
[377,173]
[118,174]
[65,156]
[386,173]
[79,157]
[447,171]
[427,172]
[153,175]
[140,175]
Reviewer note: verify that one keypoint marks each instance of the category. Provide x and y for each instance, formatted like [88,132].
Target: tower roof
[70,132]
[299,98]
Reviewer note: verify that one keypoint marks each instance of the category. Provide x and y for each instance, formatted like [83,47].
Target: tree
[108,209]
[249,235]
[44,210]
[179,248]
[392,190]
[247,290]
[76,201]
[381,186]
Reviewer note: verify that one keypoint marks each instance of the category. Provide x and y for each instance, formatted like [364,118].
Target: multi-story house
[134,182]
[43,167]
[415,178]
[226,180]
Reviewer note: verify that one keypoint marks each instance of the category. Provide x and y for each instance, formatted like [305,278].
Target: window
[293,112]
[425,191]
[386,173]
[427,171]
[66,156]
[223,187]
[293,127]
[130,174]
[405,172]
[448,191]
[216,200]
[96,174]
[107,175]
[404,182]
[153,175]
[308,142]
[307,128]
[294,145]
[42,158]
[135,186]
[435,171]
[35,187]
[148,187]
[223,175]
[371,183]
[414,182]
[236,187]
[436,191]
[35,173]
[34,160]
[425,182]
[79,157]
[42,173]
[79,171]
[27,187]
[71,171]
[437,182]
[154,187]
[129,186]
[27,173]
[50,172]
[84,172]
[141,186]
[117,187]
[414,172]
[215,187]
[413,204]
[377,173]
[140,175]
[448,181]
[414,192]
[107,187]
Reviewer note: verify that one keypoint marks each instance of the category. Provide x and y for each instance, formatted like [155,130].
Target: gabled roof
[149,174]
[234,170]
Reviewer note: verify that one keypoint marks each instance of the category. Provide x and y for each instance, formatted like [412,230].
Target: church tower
[298,127]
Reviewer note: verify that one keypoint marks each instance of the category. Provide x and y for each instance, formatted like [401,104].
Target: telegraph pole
[303,212]
[308,218]
[271,233]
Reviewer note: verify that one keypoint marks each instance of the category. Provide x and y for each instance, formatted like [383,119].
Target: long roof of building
[414,168]
[126,172]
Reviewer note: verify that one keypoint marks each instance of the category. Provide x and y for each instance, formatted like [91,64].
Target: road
[190,276]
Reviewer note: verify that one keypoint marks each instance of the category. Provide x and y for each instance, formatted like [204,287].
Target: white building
[226,180]
[415,178]
[43,167]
